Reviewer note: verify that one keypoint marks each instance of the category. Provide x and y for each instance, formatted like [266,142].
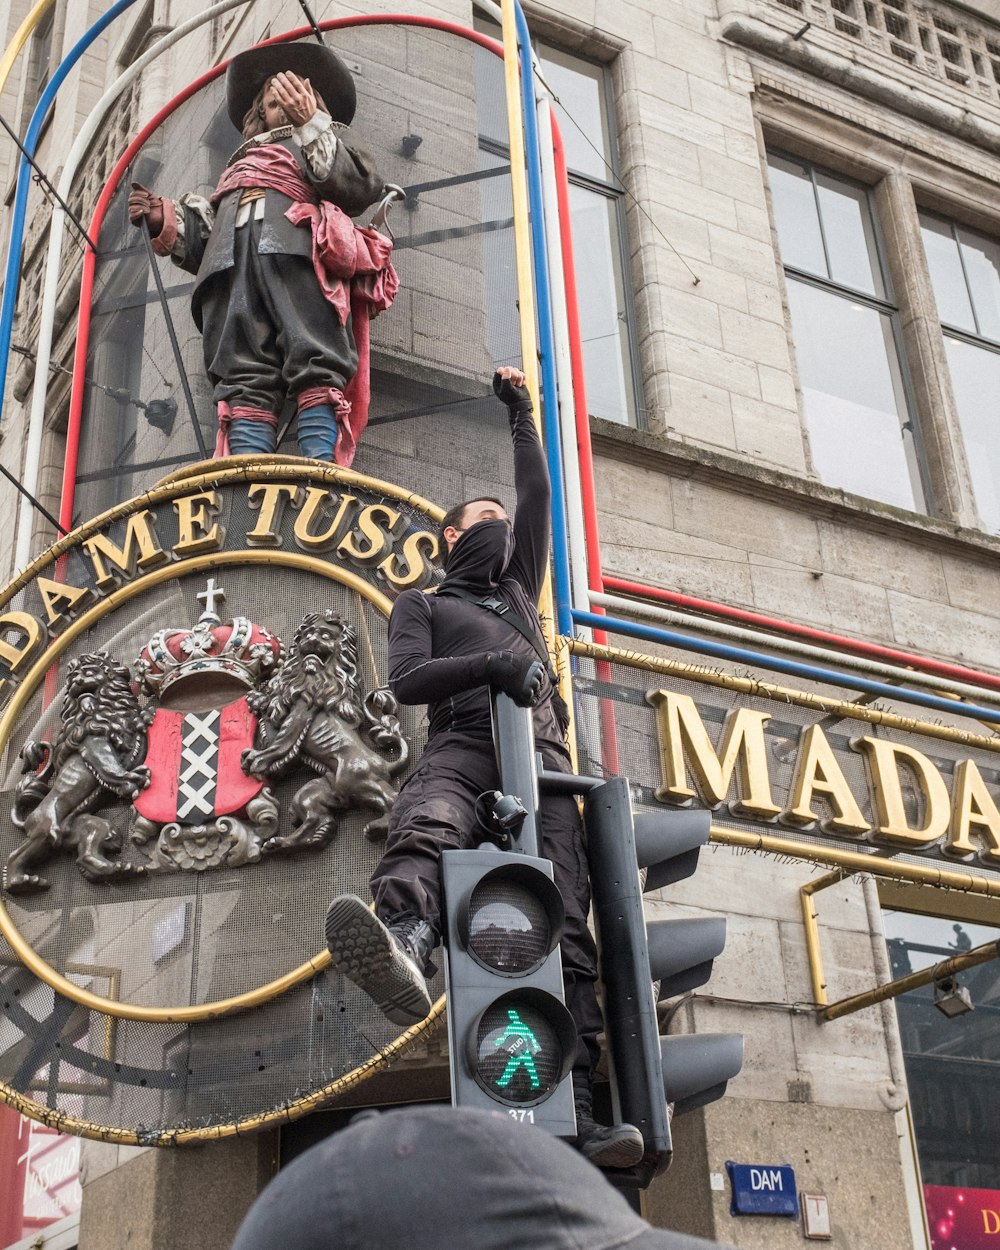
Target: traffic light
[649,1071]
[511,1040]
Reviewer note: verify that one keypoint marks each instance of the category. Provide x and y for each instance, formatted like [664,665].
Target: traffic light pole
[629,1003]
[514,739]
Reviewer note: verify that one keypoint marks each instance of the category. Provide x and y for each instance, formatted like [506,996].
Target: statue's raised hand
[296,97]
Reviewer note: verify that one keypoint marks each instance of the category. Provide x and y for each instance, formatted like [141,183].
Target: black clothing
[436,812]
[268,329]
[438,644]
[437,655]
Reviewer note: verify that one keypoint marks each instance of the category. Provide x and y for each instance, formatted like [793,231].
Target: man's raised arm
[532,487]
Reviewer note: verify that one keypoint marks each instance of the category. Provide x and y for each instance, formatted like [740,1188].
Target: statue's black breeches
[268,331]
[436,812]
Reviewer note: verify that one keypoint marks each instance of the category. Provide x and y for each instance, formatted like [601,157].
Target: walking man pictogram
[521,1046]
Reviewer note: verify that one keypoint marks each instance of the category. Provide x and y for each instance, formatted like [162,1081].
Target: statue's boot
[247,437]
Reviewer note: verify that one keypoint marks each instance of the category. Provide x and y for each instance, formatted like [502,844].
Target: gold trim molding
[782,694]
[248,473]
[294,1110]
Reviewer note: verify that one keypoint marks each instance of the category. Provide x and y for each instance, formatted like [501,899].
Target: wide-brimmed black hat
[435,1177]
[330,77]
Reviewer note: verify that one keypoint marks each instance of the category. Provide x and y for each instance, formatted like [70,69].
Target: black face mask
[480,556]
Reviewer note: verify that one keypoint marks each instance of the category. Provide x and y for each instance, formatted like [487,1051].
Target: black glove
[515,397]
[516,675]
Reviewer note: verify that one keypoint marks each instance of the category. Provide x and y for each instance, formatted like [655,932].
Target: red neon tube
[587,488]
[872,649]
[609,728]
[101,208]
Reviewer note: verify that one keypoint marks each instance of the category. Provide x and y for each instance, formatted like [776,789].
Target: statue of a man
[285,282]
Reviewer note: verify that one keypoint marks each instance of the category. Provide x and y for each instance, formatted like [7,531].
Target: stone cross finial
[209,595]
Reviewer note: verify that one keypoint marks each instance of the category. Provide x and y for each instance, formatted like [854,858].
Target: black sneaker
[617,1146]
[385,962]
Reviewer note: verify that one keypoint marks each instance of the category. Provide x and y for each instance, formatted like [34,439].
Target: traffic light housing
[511,1040]
[649,1071]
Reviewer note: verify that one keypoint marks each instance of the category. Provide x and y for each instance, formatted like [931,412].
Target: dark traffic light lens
[519,1052]
[510,929]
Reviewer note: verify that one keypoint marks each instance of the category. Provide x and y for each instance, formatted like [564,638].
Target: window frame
[37,73]
[887,305]
[612,189]
[64,1234]
[904,181]
[948,330]
[933,1152]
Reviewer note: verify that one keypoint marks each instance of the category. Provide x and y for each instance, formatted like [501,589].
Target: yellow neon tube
[24,32]
[526,314]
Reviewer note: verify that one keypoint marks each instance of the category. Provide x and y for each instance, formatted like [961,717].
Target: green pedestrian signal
[511,1040]
[521,1046]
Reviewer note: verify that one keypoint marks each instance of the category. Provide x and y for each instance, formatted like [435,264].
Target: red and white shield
[194,763]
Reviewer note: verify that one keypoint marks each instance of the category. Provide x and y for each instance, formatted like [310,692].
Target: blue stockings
[317,432]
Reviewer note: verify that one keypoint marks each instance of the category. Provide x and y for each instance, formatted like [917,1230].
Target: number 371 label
[523,1115]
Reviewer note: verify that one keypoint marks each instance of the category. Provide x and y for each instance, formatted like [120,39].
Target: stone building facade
[792,243]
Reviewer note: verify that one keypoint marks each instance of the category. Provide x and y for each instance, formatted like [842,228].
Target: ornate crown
[240,649]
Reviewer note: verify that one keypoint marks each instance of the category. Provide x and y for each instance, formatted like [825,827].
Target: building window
[39,1180]
[138,36]
[965,275]
[952,1060]
[586,122]
[39,66]
[861,424]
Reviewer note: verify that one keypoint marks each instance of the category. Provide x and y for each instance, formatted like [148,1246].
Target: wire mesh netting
[433,423]
[169,939]
[200,926]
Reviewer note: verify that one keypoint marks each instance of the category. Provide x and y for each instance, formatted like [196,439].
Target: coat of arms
[192,738]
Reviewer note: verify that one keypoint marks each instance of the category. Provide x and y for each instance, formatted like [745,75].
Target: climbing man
[479,632]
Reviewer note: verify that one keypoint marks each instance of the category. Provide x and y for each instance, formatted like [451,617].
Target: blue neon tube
[546,334]
[8,305]
[830,676]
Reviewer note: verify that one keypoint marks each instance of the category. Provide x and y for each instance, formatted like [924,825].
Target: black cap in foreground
[434,1177]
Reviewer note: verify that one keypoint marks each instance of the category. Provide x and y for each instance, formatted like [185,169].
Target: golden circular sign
[44,971]
[290,510]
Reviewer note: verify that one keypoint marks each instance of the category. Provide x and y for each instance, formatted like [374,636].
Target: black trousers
[268,330]
[435,812]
